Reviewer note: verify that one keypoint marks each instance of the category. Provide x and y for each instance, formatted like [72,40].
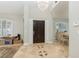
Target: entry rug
[8,52]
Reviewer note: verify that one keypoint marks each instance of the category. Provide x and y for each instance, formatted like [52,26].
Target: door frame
[28,31]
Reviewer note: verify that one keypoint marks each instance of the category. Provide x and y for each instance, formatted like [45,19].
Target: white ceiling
[61,10]
[17,7]
[11,7]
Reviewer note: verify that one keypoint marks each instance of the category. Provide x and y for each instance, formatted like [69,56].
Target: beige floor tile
[41,50]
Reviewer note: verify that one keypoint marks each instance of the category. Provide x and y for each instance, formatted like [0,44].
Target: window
[61,26]
[5,27]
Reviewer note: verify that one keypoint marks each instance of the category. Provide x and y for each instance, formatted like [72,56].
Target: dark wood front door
[38,31]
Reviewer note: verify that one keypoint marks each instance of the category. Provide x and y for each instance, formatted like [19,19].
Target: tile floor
[42,50]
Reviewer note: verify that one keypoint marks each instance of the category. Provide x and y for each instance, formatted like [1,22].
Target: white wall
[33,13]
[17,23]
[74,35]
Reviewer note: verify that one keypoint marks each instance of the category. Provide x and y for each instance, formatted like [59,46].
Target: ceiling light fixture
[43,5]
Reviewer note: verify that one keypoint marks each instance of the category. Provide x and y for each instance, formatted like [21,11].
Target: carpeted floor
[8,51]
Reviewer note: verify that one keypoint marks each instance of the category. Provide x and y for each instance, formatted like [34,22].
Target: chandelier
[43,5]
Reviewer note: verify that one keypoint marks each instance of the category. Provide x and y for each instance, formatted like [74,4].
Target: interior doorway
[38,31]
